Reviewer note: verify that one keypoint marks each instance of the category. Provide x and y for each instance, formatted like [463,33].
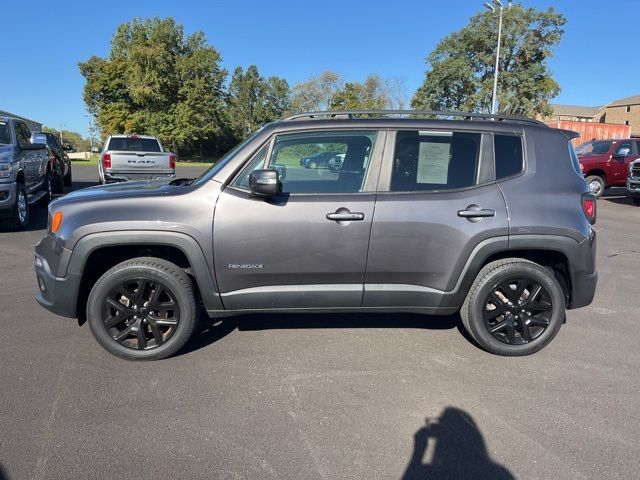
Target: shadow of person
[457,451]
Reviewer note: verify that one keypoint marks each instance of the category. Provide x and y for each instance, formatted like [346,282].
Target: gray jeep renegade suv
[430,212]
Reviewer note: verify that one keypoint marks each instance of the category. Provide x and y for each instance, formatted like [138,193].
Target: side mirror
[264,182]
[32,146]
[623,152]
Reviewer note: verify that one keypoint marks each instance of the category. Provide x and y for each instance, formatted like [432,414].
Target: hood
[157,188]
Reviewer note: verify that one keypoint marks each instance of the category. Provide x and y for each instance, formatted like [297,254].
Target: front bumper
[633,187]
[7,198]
[57,294]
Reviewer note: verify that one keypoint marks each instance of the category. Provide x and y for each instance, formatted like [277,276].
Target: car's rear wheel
[596,185]
[58,185]
[515,307]
[312,164]
[142,309]
[68,178]
[47,186]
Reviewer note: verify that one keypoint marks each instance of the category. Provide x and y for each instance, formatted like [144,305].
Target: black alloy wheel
[141,313]
[142,309]
[515,307]
[517,310]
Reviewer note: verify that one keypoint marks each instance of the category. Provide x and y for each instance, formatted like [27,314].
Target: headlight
[5,170]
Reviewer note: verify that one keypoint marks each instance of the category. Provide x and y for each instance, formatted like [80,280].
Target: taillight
[106,160]
[589,207]
[172,161]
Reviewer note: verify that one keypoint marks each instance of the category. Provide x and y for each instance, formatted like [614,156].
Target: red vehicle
[605,163]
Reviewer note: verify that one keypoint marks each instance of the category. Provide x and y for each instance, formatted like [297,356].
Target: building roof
[633,100]
[574,111]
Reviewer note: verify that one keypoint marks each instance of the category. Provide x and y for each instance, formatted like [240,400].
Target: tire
[636,200]
[58,185]
[115,287]
[68,178]
[47,185]
[520,319]
[19,219]
[596,185]
[312,164]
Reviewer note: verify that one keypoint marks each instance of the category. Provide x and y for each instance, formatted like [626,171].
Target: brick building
[625,111]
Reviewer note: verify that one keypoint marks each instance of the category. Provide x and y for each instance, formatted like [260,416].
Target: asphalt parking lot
[324,397]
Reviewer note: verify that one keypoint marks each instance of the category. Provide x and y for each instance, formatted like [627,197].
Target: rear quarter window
[508,155]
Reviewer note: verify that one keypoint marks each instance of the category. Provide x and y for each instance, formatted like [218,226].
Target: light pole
[500,7]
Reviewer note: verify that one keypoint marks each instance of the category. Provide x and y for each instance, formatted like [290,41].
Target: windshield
[134,144]
[5,135]
[216,167]
[594,147]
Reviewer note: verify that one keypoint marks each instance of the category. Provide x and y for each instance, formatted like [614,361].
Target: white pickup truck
[126,158]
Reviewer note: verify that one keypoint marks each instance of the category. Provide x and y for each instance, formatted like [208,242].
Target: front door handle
[343,216]
[474,213]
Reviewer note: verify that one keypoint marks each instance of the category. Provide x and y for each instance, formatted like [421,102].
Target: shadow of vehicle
[617,195]
[457,450]
[3,473]
[210,330]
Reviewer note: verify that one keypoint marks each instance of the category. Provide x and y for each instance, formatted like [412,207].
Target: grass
[93,161]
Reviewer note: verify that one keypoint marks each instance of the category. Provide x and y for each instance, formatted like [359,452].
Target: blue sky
[43,41]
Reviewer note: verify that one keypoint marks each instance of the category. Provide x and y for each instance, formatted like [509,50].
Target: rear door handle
[475,212]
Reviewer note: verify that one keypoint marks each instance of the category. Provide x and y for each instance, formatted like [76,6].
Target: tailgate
[139,162]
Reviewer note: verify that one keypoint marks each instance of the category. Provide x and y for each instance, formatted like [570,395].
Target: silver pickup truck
[134,157]
[25,173]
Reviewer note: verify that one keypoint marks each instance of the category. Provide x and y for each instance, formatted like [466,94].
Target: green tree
[316,93]
[253,100]
[158,81]
[75,139]
[373,94]
[461,68]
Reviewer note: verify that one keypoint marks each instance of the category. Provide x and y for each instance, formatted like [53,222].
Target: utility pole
[494,98]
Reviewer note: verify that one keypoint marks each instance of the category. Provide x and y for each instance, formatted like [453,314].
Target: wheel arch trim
[185,243]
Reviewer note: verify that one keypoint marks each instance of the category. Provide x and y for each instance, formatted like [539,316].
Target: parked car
[317,160]
[335,164]
[135,157]
[25,173]
[462,224]
[605,163]
[61,175]
[633,181]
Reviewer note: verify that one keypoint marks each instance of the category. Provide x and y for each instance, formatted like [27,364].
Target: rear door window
[435,160]
[508,155]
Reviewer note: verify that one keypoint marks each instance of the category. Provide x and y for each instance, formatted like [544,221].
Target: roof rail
[401,113]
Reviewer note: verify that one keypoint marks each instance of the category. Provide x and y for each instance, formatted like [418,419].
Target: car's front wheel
[20,214]
[515,307]
[142,309]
